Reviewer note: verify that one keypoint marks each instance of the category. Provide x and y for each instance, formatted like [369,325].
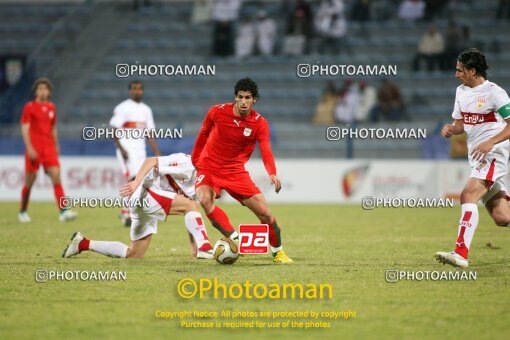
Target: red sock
[25,195]
[221,222]
[274,234]
[84,245]
[59,193]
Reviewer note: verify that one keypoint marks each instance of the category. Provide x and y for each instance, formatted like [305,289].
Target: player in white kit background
[131,152]
[166,185]
[482,110]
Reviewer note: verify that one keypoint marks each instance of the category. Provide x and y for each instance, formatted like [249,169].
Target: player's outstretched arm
[128,188]
[456,128]
[484,148]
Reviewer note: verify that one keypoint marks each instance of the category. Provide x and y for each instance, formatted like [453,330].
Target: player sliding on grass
[224,144]
[166,185]
[482,110]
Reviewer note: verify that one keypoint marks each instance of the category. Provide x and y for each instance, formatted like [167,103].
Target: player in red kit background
[223,146]
[39,131]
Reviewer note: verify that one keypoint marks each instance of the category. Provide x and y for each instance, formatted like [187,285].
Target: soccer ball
[225,251]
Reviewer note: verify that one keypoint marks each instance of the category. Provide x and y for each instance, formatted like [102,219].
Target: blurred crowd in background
[421,37]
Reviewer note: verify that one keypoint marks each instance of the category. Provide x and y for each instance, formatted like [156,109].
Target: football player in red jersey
[39,131]
[223,146]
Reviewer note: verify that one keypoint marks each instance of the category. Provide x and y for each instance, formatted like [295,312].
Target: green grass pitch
[344,246]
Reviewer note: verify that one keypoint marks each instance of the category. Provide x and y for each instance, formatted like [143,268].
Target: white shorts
[493,168]
[144,220]
[131,165]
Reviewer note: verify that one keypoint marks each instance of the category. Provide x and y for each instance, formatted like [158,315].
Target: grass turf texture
[342,245]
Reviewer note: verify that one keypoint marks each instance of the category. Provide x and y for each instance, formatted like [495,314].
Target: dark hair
[134,82]
[44,81]
[474,58]
[247,84]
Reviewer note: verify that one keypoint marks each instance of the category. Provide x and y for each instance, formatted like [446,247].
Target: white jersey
[478,108]
[132,115]
[175,173]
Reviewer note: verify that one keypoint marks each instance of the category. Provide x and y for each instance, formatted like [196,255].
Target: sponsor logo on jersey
[480,102]
[51,114]
[247,132]
[482,164]
[478,118]
[237,122]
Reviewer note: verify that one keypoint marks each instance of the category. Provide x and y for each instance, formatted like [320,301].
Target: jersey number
[199,179]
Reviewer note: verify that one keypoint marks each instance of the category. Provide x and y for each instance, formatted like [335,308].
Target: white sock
[467,227]
[234,236]
[108,248]
[195,225]
[276,249]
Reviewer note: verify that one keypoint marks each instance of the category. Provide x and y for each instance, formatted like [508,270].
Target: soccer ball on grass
[226,251]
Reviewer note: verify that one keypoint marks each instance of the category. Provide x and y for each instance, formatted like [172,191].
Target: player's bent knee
[182,205]
[134,255]
[467,197]
[190,206]
[30,178]
[206,201]
[265,216]
[55,178]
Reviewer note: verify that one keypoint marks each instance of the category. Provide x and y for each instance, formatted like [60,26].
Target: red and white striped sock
[195,226]
[467,228]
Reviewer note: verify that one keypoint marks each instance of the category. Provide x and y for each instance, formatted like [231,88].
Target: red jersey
[41,117]
[226,141]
